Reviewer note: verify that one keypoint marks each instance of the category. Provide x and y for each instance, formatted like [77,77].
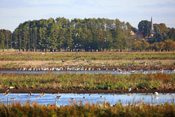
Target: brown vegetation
[77,110]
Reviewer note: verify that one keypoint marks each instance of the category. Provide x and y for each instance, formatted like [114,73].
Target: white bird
[11,87]
[156,93]
[129,89]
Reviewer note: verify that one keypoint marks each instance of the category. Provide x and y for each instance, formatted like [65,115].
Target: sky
[14,12]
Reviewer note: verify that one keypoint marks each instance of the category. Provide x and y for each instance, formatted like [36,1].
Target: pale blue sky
[14,12]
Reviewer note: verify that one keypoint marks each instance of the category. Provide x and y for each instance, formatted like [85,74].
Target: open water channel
[66,99]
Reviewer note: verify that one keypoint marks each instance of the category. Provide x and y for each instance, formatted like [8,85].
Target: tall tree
[144,27]
[35,39]
[25,36]
[2,40]
[43,42]
[169,45]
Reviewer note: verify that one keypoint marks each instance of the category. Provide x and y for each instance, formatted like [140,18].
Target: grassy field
[88,82]
[112,63]
[87,110]
[87,56]
[37,59]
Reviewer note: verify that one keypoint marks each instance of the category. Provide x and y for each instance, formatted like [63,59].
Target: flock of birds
[58,96]
[82,68]
[68,68]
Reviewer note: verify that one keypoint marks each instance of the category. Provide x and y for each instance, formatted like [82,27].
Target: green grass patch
[91,56]
[10,65]
[89,81]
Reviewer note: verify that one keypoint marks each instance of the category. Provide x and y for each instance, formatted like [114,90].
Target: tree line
[91,34]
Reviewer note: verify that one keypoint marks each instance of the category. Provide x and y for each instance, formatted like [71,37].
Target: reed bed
[88,82]
[87,110]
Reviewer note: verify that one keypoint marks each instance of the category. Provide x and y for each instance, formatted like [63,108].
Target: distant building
[152,28]
[132,33]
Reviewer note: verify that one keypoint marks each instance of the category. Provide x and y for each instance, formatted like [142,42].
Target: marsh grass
[21,63]
[54,63]
[87,110]
[12,64]
[74,82]
[89,56]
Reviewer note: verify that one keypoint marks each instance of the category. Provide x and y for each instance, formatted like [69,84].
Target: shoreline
[88,91]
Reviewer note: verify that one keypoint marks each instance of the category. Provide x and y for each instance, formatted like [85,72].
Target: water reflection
[66,99]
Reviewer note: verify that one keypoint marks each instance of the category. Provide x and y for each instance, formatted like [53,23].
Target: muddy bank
[88,91]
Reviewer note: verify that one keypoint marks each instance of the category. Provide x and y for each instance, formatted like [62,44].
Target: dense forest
[91,34]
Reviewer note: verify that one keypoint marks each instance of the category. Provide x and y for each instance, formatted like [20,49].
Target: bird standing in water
[129,90]
[156,94]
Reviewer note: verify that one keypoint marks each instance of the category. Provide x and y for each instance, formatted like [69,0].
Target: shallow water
[91,72]
[66,99]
